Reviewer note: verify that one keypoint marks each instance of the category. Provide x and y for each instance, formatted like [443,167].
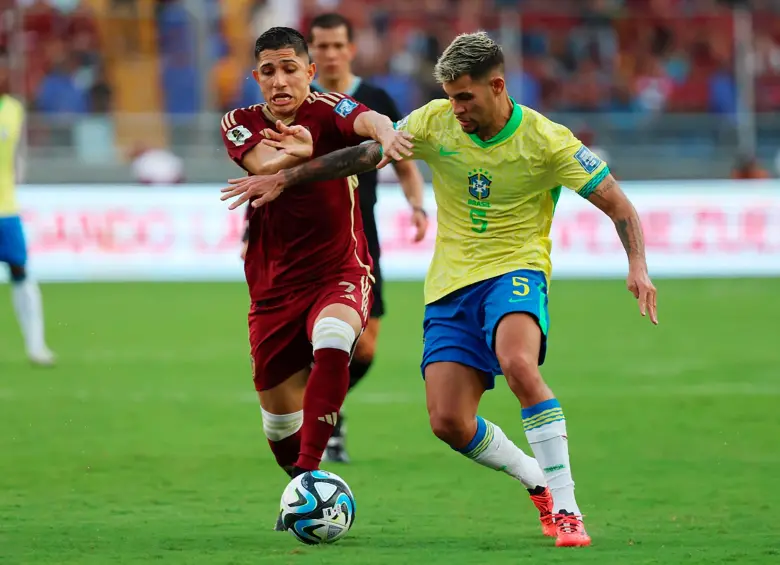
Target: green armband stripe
[381,151]
[593,183]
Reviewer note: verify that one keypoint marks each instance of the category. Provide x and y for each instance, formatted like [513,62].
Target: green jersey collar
[506,132]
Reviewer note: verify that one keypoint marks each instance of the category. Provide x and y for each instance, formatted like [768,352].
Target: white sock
[491,448]
[26,297]
[545,428]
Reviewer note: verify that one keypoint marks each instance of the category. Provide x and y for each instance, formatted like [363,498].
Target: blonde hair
[473,54]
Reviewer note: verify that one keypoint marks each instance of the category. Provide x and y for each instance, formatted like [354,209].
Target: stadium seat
[59,94]
[129,43]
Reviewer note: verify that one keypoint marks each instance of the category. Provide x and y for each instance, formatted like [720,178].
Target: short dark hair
[331,21]
[281,38]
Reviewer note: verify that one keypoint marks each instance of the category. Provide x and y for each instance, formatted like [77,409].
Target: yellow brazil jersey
[495,199]
[11,122]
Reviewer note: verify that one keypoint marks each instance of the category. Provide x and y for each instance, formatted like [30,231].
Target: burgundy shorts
[280,329]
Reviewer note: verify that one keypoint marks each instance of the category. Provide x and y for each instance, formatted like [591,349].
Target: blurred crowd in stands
[60,54]
[628,56]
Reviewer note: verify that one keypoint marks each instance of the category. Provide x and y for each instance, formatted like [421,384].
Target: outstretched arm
[339,164]
[610,199]
[336,165]
[396,145]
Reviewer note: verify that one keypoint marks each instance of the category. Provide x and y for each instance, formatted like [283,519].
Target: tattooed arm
[339,164]
[336,165]
[610,199]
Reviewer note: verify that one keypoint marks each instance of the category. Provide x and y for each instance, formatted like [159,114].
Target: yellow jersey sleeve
[571,164]
[418,124]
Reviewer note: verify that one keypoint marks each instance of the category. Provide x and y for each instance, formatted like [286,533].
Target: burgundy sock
[325,393]
[286,450]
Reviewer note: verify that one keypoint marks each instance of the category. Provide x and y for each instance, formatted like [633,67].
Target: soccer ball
[318,507]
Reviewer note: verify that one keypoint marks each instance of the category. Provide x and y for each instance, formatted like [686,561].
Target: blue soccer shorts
[461,327]
[13,249]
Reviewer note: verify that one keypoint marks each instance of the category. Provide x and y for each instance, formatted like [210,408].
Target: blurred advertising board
[183,232]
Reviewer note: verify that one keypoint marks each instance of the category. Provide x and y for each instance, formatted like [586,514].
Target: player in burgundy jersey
[307,263]
[331,39]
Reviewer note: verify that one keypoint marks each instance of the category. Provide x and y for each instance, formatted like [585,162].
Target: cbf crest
[479,184]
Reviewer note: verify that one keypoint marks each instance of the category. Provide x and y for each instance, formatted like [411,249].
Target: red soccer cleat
[544,503]
[571,531]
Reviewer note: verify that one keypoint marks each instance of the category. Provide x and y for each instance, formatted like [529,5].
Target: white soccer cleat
[43,357]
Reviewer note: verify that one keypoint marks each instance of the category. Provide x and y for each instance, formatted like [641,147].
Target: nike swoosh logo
[527,297]
[444,153]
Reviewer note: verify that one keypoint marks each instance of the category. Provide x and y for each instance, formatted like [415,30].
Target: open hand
[295,141]
[396,145]
[640,285]
[263,188]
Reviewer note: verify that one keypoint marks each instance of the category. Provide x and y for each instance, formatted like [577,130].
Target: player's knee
[365,349]
[18,273]
[281,426]
[332,333]
[521,369]
[452,429]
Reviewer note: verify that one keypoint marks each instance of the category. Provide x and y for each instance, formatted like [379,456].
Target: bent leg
[334,326]
[518,341]
[282,410]
[453,392]
[281,356]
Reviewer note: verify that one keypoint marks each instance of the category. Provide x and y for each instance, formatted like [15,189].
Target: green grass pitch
[145,443]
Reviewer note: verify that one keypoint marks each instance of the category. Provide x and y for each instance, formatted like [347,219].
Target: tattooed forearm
[610,199]
[336,165]
[629,230]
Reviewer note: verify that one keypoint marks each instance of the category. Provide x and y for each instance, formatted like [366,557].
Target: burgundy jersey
[311,232]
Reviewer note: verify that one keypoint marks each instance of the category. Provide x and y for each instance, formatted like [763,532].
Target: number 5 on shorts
[521,286]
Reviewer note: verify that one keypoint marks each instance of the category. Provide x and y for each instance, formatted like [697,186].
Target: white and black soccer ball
[318,507]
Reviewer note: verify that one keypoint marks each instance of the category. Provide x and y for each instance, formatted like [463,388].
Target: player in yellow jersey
[498,169]
[13,251]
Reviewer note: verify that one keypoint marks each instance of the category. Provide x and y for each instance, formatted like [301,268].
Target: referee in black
[332,50]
